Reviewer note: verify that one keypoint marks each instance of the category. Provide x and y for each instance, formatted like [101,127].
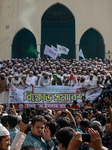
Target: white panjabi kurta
[31,80]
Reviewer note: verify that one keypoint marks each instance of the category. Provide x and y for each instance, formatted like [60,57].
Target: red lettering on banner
[13,89]
[57,106]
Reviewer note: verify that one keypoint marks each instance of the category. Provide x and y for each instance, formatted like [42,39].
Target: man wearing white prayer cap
[92,81]
[16,80]
[3,88]
[31,80]
[45,80]
[4,138]
[99,81]
[83,81]
[108,79]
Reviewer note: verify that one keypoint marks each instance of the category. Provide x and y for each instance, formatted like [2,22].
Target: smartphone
[86,137]
[37,106]
[25,119]
[11,105]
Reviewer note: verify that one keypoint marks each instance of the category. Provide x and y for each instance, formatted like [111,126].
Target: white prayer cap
[3,74]
[65,75]
[91,74]
[16,75]
[10,76]
[3,131]
[46,73]
[83,77]
[75,71]
[79,76]
[84,71]
[5,114]
[91,71]
[102,75]
[31,72]
[108,75]
[98,76]
[24,75]
[39,75]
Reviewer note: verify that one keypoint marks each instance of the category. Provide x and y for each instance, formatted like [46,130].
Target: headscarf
[74,77]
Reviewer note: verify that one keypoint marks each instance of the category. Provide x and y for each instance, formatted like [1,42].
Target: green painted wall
[58,27]
[21,43]
[92,44]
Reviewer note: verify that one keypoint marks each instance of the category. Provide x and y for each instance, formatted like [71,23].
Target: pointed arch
[57,27]
[92,44]
[21,42]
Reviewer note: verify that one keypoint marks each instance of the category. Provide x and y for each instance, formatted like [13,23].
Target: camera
[106,92]
[86,137]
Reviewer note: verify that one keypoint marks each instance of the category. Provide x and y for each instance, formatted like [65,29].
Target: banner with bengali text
[50,97]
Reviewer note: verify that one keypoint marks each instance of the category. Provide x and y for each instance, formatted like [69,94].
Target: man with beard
[82,103]
[39,136]
[56,80]
[108,79]
[9,81]
[31,80]
[4,138]
[92,81]
[83,81]
[3,88]
[65,79]
[45,79]
[16,81]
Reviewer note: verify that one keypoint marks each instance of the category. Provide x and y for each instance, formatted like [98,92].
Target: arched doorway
[21,42]
[92,44]
[58,27]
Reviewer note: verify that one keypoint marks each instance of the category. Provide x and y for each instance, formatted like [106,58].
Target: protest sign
[50,97]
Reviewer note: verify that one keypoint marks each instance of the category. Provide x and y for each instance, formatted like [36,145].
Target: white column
[38,49]
[77,51]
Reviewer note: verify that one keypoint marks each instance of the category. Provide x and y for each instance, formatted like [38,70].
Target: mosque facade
[75,24]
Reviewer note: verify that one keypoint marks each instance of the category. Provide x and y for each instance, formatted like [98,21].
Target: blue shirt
[12,134]
[41,144]
[79,130]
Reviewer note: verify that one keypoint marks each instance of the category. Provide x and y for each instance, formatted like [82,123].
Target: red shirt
[76,107]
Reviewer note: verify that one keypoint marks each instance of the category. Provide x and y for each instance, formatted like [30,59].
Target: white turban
[3,131]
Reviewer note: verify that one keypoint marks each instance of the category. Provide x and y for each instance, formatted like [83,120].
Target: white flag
[50,52]
[53,47]
[81,54]
[62,49]
[59,54]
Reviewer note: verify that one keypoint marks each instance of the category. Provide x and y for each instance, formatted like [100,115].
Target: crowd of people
[78,127]
[74,128]
[43,72]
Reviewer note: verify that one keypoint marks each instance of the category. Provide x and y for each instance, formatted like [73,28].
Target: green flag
[32,50]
